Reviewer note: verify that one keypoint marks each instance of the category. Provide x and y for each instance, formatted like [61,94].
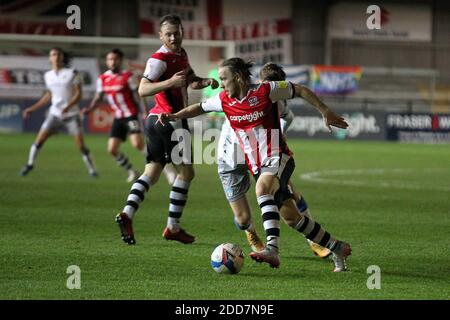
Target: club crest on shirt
[253,101]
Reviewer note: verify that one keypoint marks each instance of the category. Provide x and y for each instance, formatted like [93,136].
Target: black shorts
[122,127]
[165,144]
[285,192]
[284,170]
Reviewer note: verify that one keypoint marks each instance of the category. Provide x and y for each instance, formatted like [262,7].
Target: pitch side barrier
[363,125]
[11,120]
[374,125]
[418,128]
[307,123]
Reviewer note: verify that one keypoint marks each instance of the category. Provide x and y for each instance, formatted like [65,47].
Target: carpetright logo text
[360,125]
[250,117]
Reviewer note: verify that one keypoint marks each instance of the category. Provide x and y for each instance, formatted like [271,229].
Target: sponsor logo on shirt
[250,117]
[113,88]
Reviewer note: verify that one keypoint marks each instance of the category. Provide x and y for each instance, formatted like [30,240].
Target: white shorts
[232,169]
[72,125]
[235,182]
[234,173]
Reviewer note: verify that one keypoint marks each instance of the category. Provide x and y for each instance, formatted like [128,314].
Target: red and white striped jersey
[119,88]
[256,121]
[162,65]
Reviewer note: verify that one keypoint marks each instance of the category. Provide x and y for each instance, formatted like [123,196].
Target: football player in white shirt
[63,90]
[235,177]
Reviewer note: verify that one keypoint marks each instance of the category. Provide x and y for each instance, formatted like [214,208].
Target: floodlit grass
[390,201]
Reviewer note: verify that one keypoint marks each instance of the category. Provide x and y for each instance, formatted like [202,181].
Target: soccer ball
[227,258]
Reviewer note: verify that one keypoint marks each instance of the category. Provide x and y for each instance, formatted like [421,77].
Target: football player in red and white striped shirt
[233,173]
[120,88]
[166,76]
[253,115]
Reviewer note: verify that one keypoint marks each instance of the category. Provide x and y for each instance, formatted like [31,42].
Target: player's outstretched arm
[201,83]
[197,83]
[191,111]
[330,118]
[94,103]
[45,99]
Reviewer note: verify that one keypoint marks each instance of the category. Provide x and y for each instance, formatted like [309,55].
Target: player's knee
[266,184]
[38,145]
[113,151]
[242,217]
[290,215]
[152,175]
[40,140]
[140,147]
[291,221]
[242,222]
[186,175]
[138,144]
[262,189]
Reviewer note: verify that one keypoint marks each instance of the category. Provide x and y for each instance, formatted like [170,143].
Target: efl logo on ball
[227,258]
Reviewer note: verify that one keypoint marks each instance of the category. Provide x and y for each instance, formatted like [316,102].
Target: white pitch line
[321,177]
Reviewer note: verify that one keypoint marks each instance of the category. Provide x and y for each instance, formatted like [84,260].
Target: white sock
[173,224]
[88,161]
[33,154]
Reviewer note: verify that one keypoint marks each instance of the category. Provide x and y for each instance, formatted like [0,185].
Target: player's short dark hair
[170,18]
[118,52]
[272,72]
[67,58]
[239,67]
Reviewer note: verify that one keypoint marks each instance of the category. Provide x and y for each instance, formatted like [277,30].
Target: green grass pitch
[390,201]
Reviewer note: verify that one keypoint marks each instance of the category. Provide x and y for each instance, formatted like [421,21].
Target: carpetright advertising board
[363,125]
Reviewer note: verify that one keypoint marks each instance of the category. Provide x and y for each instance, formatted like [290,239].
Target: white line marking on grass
[339,178]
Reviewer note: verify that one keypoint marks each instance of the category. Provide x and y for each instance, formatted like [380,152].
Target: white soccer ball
[227,258]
